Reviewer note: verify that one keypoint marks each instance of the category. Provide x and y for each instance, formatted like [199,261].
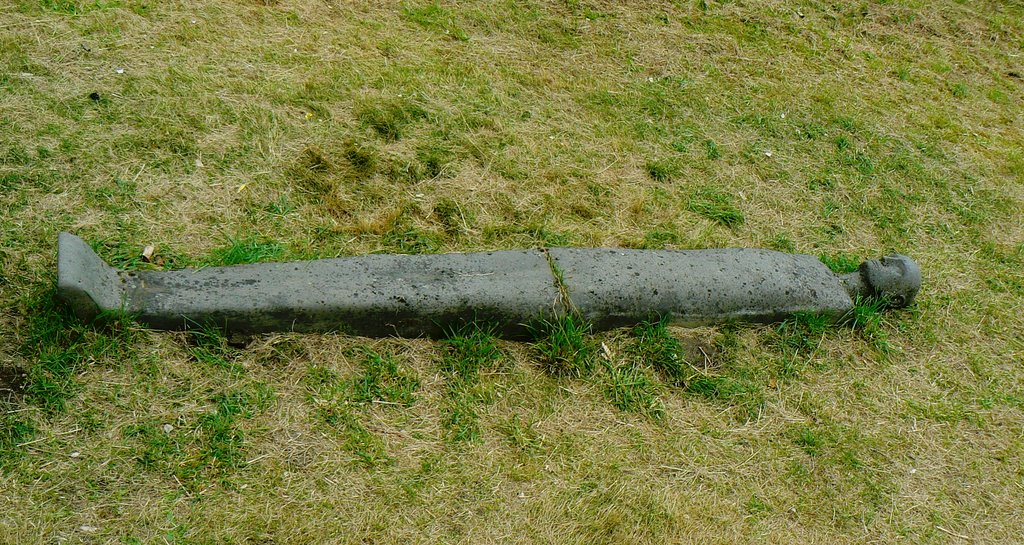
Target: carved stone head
[894,278]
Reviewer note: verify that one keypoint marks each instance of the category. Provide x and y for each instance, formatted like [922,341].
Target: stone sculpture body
[425,295]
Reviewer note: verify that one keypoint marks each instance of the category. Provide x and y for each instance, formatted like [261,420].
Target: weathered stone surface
[84,282]
[424,295]
[374,295]
[613,288]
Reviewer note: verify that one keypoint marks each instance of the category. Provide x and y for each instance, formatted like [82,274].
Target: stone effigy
[426,295]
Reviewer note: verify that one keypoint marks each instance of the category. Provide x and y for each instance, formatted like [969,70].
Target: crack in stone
[564,298]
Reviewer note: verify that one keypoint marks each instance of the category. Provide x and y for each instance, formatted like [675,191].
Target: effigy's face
[896,278]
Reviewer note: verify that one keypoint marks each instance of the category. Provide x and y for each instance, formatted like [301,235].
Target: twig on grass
[954,534]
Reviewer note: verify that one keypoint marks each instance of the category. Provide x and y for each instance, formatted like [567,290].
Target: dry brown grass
[833,129]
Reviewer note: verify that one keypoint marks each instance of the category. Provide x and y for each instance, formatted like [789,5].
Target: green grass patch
[58,347]
[340,403]
[323,383]
[866,317]
[209,346]
[834,444]
[521,434]
[740,392]
[124,253]
[389,118]
[14,430]
[660,237]
[222,442]
[280,207]
[367,447]
[454,219]
[798,339]
[76,7]
[841,263]
[663,170]
[157,448]
[655,346]
[241,251]
[467,351]
[711,150]
[1002,273]
[406,238]
[944,410]
[382,380]
[435,158]
[363,157]
[959,90]
[565,347]
[756,506]
[782,243]
[630,389]
[716,205]
[809,439]
[433,16]
[461,419]
[214,444]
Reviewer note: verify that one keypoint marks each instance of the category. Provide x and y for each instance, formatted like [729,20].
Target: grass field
[232,131]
